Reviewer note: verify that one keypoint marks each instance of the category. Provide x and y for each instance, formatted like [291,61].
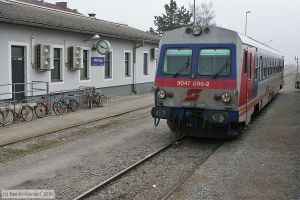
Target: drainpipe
[136,46]
[66,57]
[33,64]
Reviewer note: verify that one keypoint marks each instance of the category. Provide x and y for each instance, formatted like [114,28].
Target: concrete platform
[263,163]
[22,130]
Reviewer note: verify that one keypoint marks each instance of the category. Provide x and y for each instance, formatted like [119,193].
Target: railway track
[125,171]
[73,126]
[102,185]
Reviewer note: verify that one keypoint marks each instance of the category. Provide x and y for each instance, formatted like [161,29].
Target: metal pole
[194,12]
[297,65]
[246,24]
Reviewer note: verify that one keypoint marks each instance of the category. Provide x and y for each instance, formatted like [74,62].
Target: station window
[56,72]
[146,64]
[108,65]
[127,64]
[84,70]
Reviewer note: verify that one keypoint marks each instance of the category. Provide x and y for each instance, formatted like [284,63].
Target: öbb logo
[193,95]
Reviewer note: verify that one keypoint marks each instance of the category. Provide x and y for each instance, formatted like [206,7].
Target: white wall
[22,35]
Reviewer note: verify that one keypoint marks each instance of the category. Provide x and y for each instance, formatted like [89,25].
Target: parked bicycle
[96,98]
[1,118]
[44,107]
[24,112]
[62,105]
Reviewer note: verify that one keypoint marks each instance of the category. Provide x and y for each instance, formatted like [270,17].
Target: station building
[40,44]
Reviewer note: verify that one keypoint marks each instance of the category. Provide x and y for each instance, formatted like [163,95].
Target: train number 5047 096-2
[193,83]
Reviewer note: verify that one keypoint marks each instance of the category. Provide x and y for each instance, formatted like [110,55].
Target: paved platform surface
[36,127]
[263,163]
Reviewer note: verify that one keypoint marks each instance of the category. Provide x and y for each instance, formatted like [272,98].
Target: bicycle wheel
[8,116]
[60,108]
[73,104]
[40,110]
[90,103]
[103,100]
[63,109]
[56,107]
[1,119]
[27,113]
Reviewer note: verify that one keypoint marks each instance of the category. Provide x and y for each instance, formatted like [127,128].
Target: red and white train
[211,80]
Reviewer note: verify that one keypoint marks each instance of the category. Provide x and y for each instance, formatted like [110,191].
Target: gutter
[69,29]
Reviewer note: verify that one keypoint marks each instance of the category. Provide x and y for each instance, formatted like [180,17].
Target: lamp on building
[94,37]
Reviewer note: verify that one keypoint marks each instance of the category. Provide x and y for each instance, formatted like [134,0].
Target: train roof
[216,35]
[252,42]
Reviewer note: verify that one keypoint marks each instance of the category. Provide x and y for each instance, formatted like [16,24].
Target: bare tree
[204,14]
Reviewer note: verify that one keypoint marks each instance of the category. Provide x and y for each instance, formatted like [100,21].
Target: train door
[250,75]
[18,71]
[246,82]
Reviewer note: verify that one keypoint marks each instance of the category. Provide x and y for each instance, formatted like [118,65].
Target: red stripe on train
[196,83]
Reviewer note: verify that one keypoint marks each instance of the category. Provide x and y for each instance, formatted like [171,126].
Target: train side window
[273,66]
[250,66]
[269,67]
[265,68]
[256,66]
[261,68]
[245,61]
[271,71]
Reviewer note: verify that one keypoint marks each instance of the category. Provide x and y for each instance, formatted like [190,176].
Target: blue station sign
[97,61]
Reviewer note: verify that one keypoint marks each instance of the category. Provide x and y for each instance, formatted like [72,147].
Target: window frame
[110,77]
[165,51]
[146,72]
[59,79]
[129,75]
[87,77]
[223,48]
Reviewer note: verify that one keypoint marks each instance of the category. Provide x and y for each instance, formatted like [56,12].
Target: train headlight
[197,30]
[226,97]
[162,94]
[218,117]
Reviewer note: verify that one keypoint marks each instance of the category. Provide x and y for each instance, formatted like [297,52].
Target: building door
[18,72]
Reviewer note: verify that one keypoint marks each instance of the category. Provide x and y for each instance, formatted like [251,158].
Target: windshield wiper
[186,64]
[221,70]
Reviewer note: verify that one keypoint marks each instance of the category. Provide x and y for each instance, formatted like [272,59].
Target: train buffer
[297,84]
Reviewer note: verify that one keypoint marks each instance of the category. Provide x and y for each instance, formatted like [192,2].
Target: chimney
[42,1]
[63,5]
[92,15]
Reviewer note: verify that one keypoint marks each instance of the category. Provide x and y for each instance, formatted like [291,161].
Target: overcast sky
[276,20]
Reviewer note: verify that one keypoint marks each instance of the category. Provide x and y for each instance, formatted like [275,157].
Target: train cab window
[178,61]
[214,61]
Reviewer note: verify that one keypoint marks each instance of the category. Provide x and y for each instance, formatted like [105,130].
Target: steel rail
[128,169]
[74,126]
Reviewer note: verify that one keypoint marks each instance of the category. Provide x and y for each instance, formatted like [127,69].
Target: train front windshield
[210,62]
[178,61]
[214,62]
